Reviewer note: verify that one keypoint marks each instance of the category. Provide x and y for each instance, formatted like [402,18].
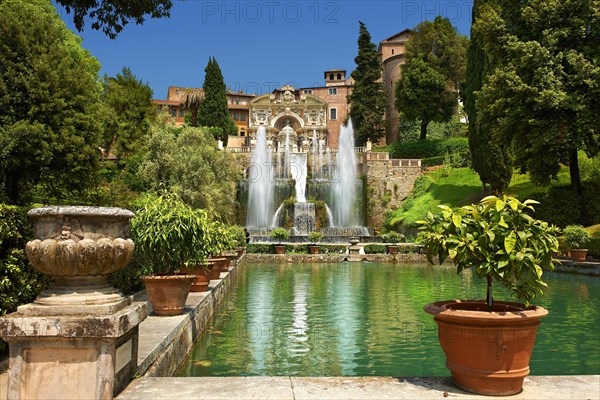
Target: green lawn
[456,187]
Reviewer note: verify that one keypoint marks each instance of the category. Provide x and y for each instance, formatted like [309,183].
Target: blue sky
[259,45]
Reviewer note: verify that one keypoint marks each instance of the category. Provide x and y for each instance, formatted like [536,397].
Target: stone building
[237,103]
[335,93]
[391,55]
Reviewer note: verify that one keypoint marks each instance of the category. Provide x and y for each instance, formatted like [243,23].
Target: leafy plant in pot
[392,238]
[166,231]
[488,343]
[314,238]
[576,240]
[279,234]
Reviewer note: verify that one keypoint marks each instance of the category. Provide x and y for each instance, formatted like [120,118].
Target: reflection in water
[366,320]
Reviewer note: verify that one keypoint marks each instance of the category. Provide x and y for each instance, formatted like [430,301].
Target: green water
[355,319]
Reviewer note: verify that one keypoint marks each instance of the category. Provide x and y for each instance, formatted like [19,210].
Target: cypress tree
[213,110]
[367,99]
[489,158]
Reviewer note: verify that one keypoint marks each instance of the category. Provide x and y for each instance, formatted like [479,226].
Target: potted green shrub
[314,238]
[392,238]
[576,240]
[488,343]
[166,232]
[279,235]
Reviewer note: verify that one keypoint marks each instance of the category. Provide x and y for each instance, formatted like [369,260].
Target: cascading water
[261,187]
[344,180]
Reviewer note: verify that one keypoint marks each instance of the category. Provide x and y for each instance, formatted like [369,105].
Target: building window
[392,51]
[181,113]
[330,77]
[173,113]
[332,90]
[243,132]
[333,113]
[242,116]
[237,102]
[339,77]
[307,91]
[235,116]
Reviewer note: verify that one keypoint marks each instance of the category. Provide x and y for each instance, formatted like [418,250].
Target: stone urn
[79,247]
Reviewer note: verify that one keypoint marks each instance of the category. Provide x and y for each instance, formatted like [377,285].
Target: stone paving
[305,388]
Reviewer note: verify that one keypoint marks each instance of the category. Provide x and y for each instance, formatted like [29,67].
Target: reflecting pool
[366,319]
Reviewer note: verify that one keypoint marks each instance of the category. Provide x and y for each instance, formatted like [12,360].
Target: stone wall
[388,183]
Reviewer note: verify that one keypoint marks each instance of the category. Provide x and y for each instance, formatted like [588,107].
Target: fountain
[261,188]
[334,182]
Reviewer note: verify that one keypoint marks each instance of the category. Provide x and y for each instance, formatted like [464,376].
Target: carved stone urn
[79,247]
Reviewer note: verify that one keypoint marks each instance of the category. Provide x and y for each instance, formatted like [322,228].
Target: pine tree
[489,158]
[367,99]
[213,110]
[434,68]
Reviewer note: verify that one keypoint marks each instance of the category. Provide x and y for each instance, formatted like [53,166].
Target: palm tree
[190,100]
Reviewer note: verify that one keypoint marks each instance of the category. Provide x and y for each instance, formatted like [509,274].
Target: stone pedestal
[76,357]
[79,338]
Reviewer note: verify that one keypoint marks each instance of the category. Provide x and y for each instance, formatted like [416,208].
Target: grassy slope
[456,187]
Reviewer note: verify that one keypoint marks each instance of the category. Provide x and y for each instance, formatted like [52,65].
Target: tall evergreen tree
[431,76]
[213,111]
[489,158]
[49,104]
[127,102]
[542,96]
[368,98]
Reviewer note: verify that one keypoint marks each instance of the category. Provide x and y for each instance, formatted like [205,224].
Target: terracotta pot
[202,276]
[168,293]
[225,265]
[314,248]
[392,249]
[240,251]
[279,249]
[215,271]
[579,254]
[487,352]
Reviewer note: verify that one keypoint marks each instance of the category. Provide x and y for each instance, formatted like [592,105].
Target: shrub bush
[19,282]
[576,237]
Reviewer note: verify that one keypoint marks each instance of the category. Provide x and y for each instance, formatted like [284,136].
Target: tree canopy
[489,158]
[111,16]
[49,104]
[434,69]
[128,111]
[367,98]
[542,94]
[190,100]
[188,161]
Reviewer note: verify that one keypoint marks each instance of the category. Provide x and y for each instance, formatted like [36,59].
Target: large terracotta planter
[579,254]
[279,249]
[487,352]
[168,293]
[314,248]
[201,274]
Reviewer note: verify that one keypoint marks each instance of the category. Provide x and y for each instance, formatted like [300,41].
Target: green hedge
[430,148]
[19,282]
[264,248]
[381,249]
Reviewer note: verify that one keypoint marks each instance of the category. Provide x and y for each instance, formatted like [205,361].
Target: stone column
[79,338]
